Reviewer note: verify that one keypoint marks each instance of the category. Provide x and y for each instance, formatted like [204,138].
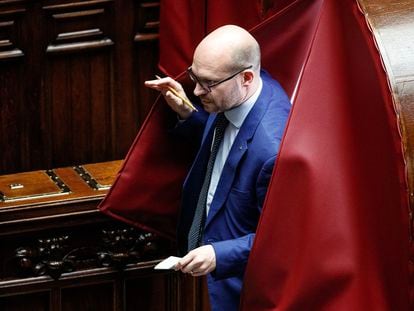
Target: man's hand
[173,101]
[198,262]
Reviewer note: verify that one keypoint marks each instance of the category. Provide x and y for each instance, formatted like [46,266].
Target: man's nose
[199,90]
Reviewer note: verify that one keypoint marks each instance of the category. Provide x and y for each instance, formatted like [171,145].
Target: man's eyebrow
[205,79]
[201,78]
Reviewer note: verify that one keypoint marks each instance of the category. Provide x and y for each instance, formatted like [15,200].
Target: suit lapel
[239,148]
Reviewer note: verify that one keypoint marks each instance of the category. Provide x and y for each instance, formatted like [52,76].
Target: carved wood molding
[55,255]
[147,21]
[78,46]
[10,19]
[64,21]
[79,4]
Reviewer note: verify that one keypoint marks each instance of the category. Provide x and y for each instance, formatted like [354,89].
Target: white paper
[167,263]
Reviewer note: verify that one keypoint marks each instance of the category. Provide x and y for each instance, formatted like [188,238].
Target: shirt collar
[237,115]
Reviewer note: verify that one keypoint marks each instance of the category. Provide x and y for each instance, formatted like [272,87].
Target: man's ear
[248,77]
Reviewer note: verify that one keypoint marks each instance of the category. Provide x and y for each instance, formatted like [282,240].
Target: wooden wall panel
[123,113]
[38,302]
[12,120]
[10,116]
[10,30]
[79,108]
[101,114]
[82,298]
[147,293]
[72,80]
[146,42]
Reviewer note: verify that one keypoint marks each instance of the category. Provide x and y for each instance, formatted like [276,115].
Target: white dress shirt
[236,117]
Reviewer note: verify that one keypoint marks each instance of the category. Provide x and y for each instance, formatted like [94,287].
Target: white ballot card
[167,263]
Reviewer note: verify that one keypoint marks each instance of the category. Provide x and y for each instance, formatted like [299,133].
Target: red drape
[147,189]
[334,230]
[183,23]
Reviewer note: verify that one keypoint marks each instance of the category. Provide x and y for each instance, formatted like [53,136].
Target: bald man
[228,81]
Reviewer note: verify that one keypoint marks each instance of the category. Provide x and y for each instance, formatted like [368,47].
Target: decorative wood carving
[123,246]
[117,248]
[48,257]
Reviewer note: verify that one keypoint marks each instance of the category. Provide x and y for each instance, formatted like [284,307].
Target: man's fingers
[197,262]
[189,263]
[174,94]
[197,273]
[178,101]
[163,84]
[184,262]
[192,266]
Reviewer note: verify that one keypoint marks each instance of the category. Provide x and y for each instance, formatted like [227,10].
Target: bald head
[232,46]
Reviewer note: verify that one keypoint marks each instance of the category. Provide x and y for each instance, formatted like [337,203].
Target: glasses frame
[208,87]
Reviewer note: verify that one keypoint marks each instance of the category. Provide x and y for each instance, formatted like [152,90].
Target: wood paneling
[71,80]
[81,298]
[39,301]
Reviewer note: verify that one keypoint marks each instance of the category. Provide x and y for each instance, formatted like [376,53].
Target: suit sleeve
[192,127]
[232,255]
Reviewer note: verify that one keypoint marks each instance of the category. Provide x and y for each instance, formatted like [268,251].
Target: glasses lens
[194,78]
[191,75]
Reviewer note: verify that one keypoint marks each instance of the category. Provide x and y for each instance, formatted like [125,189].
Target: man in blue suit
[228,79]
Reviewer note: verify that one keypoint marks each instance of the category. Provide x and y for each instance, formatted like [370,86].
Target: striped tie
[195,233]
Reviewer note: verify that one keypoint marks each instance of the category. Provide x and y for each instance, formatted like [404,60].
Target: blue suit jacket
[235,210]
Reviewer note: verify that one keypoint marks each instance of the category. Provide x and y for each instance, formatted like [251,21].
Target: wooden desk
[58,252]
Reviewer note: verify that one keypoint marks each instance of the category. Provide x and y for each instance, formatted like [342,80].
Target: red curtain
[183,24]
[334,230]
[146,192]
[333,234]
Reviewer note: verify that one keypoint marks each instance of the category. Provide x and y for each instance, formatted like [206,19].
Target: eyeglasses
[207,85]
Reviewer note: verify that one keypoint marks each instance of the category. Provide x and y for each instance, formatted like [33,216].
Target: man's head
[226,68]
